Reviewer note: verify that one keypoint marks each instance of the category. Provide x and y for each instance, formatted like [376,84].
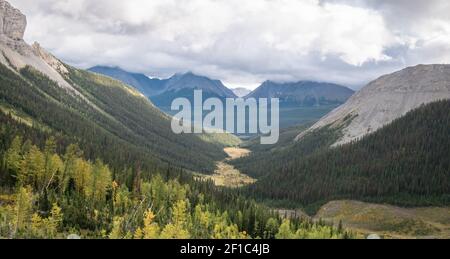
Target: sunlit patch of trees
[55,195]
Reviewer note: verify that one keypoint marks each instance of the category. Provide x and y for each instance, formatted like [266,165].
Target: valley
[227,175]
[291,115]
[94,153]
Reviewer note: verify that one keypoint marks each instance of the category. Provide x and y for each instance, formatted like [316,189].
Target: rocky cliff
[16,54]
[386,99]
[12,26]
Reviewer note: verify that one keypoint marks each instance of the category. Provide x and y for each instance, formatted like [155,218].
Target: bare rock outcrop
[15,53]
[49,59]
[12,26]
[386,99]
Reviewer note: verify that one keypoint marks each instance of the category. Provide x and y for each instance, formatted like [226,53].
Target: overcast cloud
[244,42]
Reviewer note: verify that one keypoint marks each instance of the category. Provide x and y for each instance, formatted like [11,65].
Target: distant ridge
[149,87]
[163,91]
[304,93]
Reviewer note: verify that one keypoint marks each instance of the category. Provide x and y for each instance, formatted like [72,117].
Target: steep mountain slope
[386,99]
[93,110]
[405,163]
[148,86]
[303,93]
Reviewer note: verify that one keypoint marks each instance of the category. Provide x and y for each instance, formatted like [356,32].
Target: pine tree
[177,229]
[151,229]
[272,227]
[14,156]
[55,220]
[285,231]
[23,209]
[73,153]
[53,164]
[117,232]
[100,182]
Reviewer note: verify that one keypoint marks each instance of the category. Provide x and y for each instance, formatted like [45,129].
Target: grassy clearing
[389,221]
[227,175]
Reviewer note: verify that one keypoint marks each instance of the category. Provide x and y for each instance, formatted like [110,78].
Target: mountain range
[163,91]
[300,102]
[304,93]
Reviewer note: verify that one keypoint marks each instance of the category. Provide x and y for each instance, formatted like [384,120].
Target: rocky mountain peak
[12,22]
[16,54]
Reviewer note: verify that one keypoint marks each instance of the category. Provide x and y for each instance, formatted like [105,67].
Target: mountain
[241,92]
[398,153]
[386,99]
[103,115]
[404,163]
[183,85]
[163,91]
[192,81]
[304,93]
[148,86]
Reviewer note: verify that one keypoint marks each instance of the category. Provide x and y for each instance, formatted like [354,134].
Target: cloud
[245,42]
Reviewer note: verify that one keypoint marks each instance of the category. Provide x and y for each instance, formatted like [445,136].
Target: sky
[245,42]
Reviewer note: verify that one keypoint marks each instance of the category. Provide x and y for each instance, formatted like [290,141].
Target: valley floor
[226,174]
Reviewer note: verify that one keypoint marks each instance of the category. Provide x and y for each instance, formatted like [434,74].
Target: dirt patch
[228,176]
[235,153]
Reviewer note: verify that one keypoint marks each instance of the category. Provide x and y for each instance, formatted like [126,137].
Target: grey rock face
[49,59]
[15,53]
[12,27]
[12,22]
[386,99]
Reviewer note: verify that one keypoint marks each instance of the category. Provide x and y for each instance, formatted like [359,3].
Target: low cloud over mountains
[245,42]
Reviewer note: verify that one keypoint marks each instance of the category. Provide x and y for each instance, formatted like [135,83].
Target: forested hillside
[404,163]
[69,165]
[45,194]
[109,116]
